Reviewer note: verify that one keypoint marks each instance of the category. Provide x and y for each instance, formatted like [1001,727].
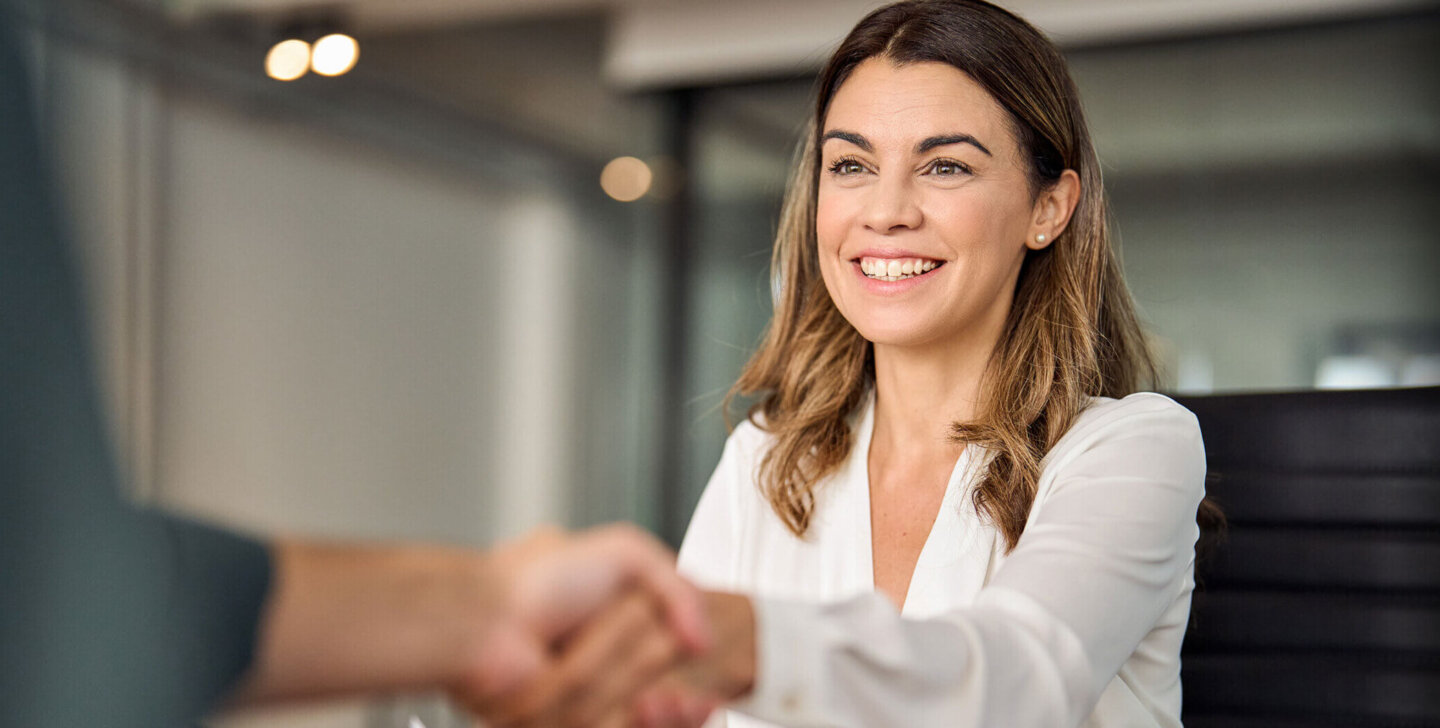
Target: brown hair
[1071,334]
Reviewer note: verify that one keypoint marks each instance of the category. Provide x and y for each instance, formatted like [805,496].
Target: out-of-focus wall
[1273,192]
[302,331]
[335,329]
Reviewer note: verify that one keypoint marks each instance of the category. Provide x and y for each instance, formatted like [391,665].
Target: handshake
[590,629]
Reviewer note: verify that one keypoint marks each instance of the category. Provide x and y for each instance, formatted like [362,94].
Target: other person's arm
[346,619]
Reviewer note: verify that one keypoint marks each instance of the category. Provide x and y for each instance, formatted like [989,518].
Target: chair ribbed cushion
[1321,605]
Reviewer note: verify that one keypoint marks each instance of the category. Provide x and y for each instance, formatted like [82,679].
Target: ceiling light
[288,60]
[334,55]
[626,179]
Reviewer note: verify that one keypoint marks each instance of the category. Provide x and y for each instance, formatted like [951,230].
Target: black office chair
[1321,606]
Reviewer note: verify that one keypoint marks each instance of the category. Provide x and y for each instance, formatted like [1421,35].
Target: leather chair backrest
[1320,606]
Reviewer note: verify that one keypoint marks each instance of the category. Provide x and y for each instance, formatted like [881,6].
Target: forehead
[899,104]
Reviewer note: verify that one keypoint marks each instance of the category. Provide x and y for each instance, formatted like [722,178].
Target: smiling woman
[966,215]
[950,505]
[908,188]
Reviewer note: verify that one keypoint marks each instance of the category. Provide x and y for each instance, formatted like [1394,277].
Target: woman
[947,429]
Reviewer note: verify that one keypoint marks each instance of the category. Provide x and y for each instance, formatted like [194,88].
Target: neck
[921,392]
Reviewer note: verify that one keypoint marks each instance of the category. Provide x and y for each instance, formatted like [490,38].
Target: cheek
[829,223]
[988,227]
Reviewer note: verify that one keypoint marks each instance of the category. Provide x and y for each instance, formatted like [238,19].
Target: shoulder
[1142,410]
[740,460]
[1141,453]
[744,449]
[749,437]
[1143,426]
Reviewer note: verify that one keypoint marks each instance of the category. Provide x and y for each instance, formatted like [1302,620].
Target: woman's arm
[1105,553]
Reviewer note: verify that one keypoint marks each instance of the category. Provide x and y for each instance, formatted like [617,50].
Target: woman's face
[924,210]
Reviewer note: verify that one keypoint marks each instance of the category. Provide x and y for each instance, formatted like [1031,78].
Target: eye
[947,168]
[845,166]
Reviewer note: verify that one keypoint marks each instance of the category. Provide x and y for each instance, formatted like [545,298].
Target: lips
[896,269]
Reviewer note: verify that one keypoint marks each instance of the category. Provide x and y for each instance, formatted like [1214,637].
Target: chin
[893,334]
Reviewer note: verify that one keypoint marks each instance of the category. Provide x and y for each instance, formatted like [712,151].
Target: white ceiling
[673,42]
[1060,17]
[393,14]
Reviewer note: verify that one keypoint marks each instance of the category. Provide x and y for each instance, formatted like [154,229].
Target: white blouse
[1080,624]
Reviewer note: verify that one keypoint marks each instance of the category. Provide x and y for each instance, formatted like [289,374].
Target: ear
[1052,211]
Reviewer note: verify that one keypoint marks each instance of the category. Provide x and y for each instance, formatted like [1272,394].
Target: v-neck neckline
[861,460]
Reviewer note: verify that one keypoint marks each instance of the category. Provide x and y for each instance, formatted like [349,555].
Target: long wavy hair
[1071,334]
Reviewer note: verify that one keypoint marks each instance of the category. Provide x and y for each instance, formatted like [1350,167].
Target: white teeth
[895,269]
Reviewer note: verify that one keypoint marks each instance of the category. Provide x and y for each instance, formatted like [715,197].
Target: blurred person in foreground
[112,615]
[951,504]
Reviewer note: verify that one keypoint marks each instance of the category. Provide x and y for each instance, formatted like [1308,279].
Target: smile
[896,269]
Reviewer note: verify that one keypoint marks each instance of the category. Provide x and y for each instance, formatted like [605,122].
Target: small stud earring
[1040,238]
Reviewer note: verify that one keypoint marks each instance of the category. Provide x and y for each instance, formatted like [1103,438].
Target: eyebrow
[924,146]
[940,141]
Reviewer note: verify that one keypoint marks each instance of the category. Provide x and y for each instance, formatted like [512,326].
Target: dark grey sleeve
[109,614]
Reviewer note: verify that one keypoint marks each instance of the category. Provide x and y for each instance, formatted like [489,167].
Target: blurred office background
[397,303]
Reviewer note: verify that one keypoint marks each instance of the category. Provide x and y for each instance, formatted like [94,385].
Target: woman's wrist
[731,662]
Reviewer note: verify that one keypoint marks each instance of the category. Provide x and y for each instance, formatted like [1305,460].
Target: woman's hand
[687,695]
[595,678]
[581,593]
[624,668]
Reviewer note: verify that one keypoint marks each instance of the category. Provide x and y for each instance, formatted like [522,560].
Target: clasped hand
[597,629]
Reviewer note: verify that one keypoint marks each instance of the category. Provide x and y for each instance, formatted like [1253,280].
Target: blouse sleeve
[1106,551]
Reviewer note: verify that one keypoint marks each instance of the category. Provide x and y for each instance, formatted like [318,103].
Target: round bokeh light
[288,60]
[626,179]
[334,55]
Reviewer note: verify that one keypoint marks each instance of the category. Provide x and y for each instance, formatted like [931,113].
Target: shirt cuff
[791,641]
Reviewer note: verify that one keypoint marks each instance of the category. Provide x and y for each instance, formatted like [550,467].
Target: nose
[891,206]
